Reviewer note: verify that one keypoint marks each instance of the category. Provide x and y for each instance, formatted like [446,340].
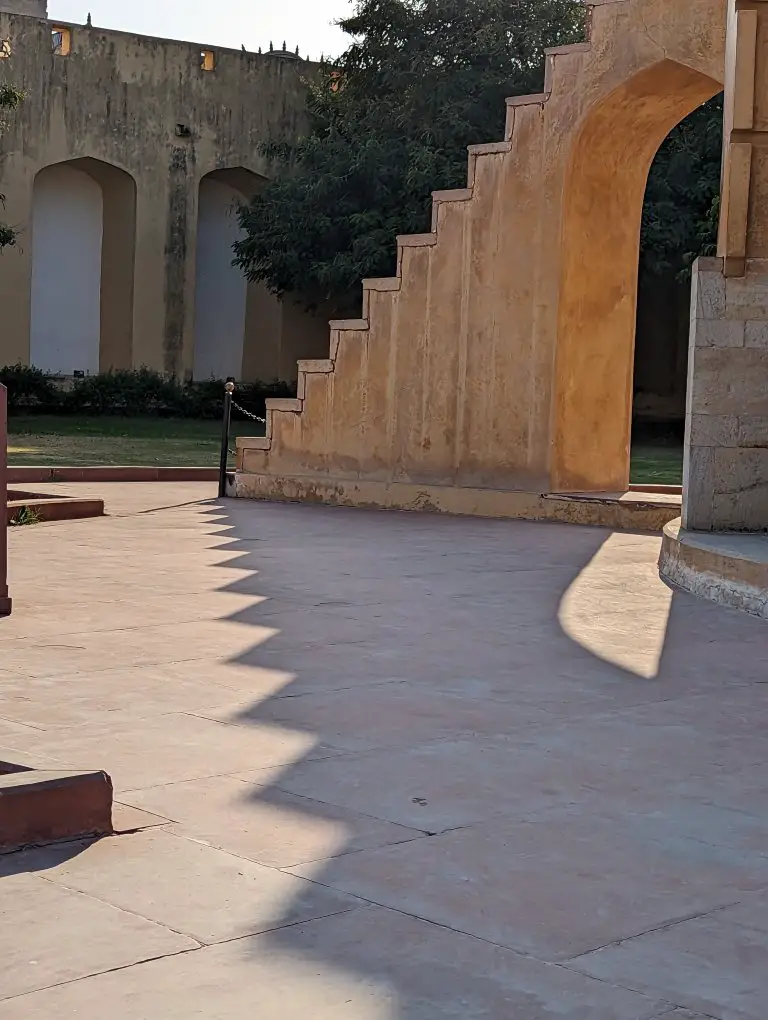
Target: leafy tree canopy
[682,201]
[390,123]
[10,97]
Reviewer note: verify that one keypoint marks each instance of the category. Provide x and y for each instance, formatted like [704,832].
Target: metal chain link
[253,417]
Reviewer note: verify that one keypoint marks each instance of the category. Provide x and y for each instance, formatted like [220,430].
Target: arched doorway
[602,213]
[680,222]
[83,243]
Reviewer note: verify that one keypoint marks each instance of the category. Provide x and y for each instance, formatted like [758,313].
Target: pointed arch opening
[228,309]
[604,192]
[83,249]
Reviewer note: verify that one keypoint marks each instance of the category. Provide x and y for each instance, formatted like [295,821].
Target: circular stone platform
[726,568]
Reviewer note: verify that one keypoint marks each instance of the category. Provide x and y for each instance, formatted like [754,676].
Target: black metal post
[229,389]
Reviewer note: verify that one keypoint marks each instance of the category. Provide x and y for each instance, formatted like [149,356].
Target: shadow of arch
[233,318]
[604,193]
[83,253]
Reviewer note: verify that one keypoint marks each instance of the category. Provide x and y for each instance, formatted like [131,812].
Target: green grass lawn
[77,442]
[149,442]
[659,463]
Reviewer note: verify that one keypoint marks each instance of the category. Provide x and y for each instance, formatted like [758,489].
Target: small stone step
[39,806]
[284,404]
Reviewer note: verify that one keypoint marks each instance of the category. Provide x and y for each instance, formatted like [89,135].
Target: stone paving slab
[172,747]
[130,819]
[383,715]
[292,698]
[437,786]
[190,888]
[50,935]
[444,784]
[266,825]
[367,964]
[113,697]
[706,964]
[571,881]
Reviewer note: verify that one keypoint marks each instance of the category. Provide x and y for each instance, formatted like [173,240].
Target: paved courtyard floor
[381,766]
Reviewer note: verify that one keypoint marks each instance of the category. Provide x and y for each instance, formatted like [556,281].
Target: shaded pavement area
[381,766]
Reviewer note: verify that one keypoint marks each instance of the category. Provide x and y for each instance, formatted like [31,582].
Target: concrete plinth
[729,569]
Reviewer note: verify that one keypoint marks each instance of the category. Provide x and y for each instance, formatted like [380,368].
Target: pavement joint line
[280,870]
[649,931]
[674,1006]
[124,910]
[185,934]
[108,970]
[180,952]
[286,868]
[338,807]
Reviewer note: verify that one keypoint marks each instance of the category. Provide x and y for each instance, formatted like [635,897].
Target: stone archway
[605,185]
[83,248]
[498,361]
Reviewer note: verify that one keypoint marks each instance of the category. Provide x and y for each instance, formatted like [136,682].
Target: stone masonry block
[756,334]
[746,297]
[729,381]
[718,333]
[713,430]
[744,512]
[741,471]
[752,432]
[708,290]
[698,488]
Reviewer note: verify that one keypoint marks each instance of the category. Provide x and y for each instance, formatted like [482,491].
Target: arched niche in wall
[226,306]
[241,329]
[83,246]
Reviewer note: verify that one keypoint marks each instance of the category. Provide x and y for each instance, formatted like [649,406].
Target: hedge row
[140,393]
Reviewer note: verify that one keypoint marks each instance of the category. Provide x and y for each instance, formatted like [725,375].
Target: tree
[10,97]
[390,123]
[682,200]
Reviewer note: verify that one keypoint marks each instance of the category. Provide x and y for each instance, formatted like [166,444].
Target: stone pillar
[5,601]
[725,484]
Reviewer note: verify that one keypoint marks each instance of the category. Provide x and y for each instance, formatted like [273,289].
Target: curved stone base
[727,568]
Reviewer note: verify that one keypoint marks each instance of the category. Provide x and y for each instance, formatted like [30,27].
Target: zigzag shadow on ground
[471,673]
[492,714]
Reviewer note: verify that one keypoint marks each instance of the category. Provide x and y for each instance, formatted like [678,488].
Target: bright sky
[307,24]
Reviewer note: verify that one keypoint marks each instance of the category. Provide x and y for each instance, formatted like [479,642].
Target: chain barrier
[226,450]
[253,417]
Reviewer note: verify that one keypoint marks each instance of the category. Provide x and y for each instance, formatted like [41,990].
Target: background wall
[145,107]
